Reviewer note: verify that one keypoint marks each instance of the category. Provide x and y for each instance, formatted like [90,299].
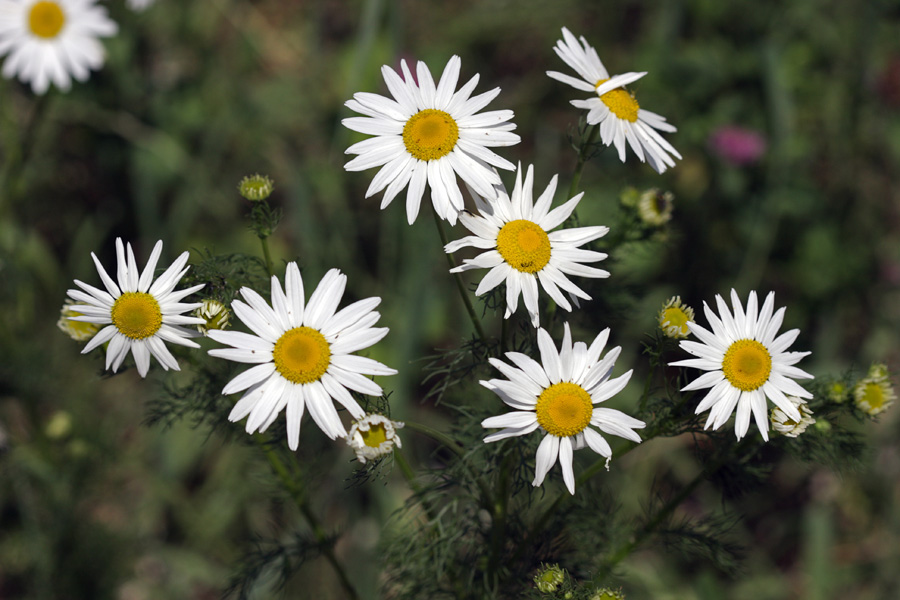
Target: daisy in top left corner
[52,41]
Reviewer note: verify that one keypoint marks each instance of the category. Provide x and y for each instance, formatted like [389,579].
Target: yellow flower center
[620,102]
[430,134]
[302,355]
[524,246]
[747,365]
[136,315]
[873,396]
[675,317]
[46,19]
[564,409]
[375,436]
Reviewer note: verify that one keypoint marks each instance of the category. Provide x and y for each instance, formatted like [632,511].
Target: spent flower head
[214,314]
[837,392]
[874,395]
[373,436]
[549,577]
[77,330]
[785,425]
[655,207]
[256,187]
[674,318]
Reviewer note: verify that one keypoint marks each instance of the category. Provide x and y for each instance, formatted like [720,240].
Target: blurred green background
[195,95]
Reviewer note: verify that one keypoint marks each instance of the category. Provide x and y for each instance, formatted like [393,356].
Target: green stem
[593,132]
[459,284]
[293,488]
[449,443]
[410,477]
[264,241]
[498,527]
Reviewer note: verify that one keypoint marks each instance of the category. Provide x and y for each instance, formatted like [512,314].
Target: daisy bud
[549,578]
[256,187]
[784,424]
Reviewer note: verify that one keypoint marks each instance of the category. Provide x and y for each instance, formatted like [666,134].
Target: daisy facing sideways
[558,396]
[747,362]
[303,355]
[429,134]
[139,313]
[52,40]
[616,111]
[521,249]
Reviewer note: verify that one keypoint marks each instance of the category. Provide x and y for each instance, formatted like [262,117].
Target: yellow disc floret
[430,134]
[46,19]
[136,315]
[302,355]
[747,365]
[620,102]
[524,246]
[374,436]
[564,409]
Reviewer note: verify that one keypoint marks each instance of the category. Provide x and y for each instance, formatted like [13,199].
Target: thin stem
[410,477]
[449,443]
[264,241]
[593,132]
[296,492]
[459,284]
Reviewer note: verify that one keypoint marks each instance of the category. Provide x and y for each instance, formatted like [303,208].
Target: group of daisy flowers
[430,134]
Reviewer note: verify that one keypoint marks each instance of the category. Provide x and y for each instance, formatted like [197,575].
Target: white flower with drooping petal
[51,41]
[374,436]
[620,117]
[558,396]
[303,355]
[429,134]
[746,362]
[521,250]
[139,313]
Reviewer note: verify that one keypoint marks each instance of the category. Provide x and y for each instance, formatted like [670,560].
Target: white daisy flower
[746,362]
[618,113]
[429,133]
[139,313]
[558,396]
[374,436]
[52,40]
[302,354]
[522,251]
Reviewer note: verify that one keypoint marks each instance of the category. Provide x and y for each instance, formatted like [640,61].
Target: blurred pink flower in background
[737,145]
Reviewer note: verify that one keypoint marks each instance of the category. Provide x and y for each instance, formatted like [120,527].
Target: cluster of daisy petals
[301,353]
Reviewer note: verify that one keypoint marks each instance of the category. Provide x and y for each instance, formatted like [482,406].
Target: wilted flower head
[216,315]
[784,424]
[737,145]
[874,394]
[256,187]
[655,207]
[77,330]
[549,577]
[608,594]
[674,317]
[373,436]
